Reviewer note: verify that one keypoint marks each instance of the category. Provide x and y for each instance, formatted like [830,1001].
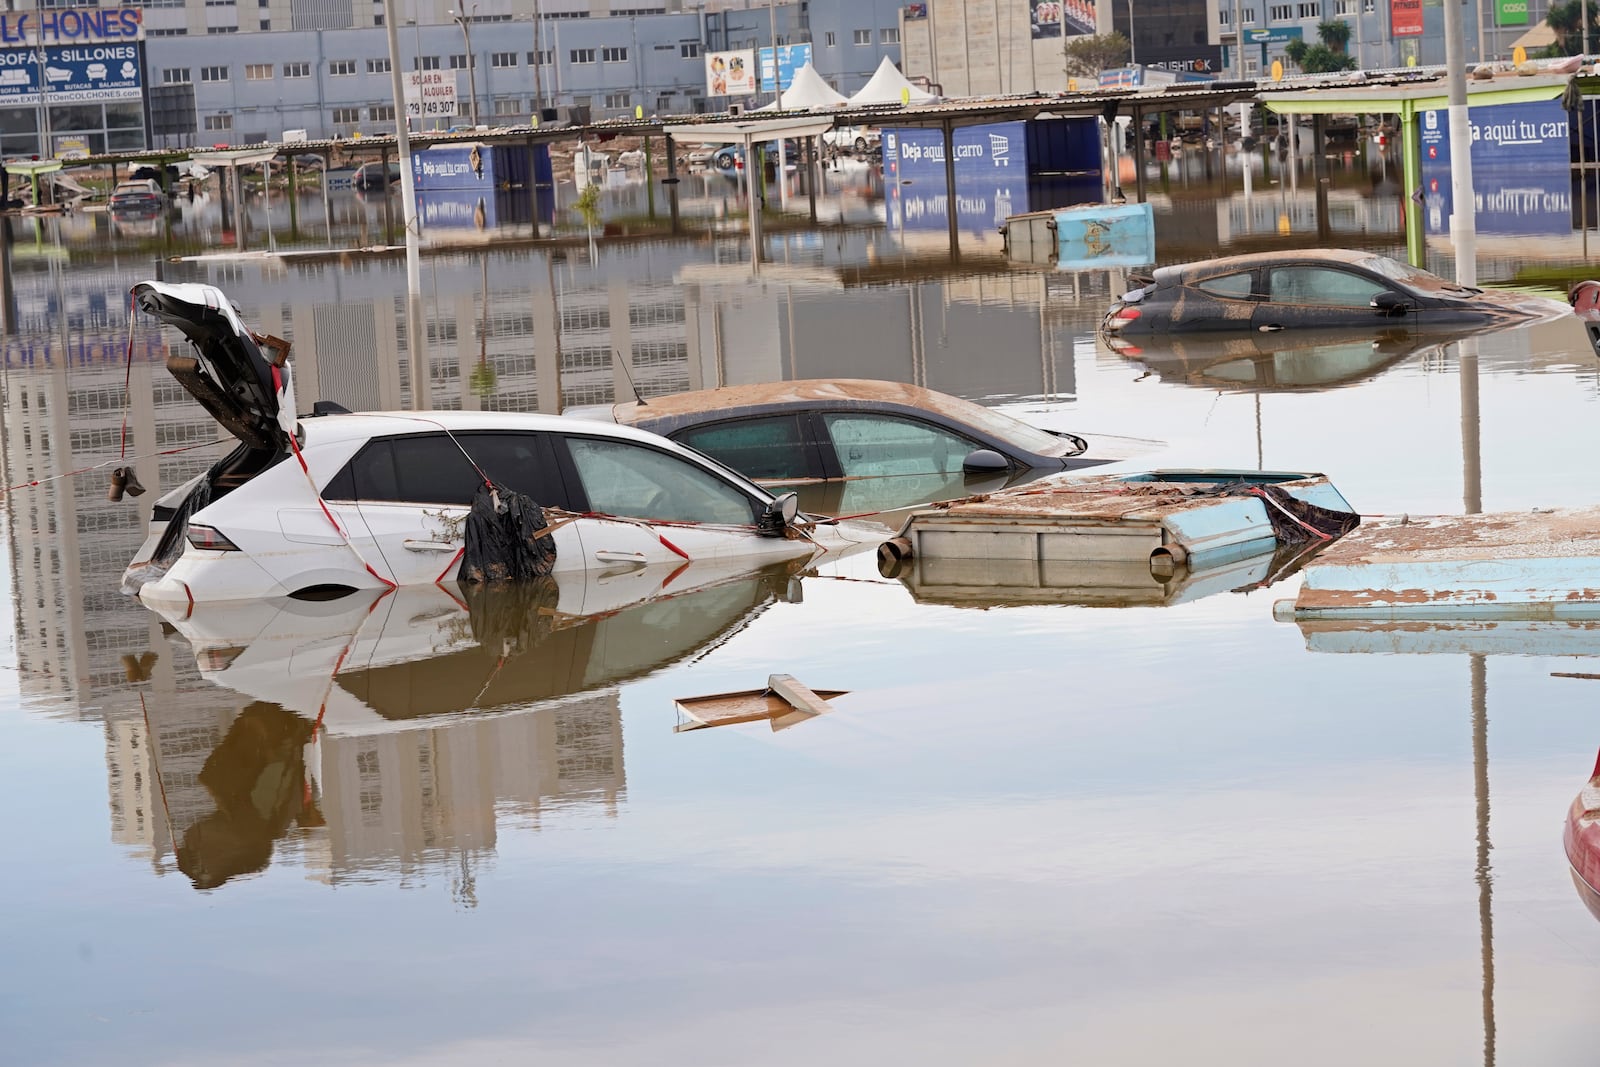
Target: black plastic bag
[507,538]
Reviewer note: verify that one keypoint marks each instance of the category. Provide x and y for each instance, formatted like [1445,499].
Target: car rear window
[1230,285]
[772,447]
[430,469]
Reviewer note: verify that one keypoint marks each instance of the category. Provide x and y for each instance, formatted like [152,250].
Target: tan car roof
[806,389]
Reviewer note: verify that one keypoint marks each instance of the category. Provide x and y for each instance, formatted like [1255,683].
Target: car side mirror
[1389,303]
[780,514]
[984,461]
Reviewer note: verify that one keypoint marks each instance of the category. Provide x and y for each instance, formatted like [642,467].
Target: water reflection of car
[142,198]
[1257,362]
[879,445]
[1310,289]
[512,687]
[261,521]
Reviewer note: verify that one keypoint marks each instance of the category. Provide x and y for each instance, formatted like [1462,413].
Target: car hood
[242,388]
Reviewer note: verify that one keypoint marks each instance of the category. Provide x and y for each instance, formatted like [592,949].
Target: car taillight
[210,539]
[1127,314]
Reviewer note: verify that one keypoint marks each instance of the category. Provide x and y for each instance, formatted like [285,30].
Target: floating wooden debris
[1165,519]
[784,703]
[1507,565]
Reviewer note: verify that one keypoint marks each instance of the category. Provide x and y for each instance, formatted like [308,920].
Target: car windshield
[1003,426]
[1415,277]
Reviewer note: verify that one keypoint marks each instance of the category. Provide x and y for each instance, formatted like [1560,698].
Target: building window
[219,122]
[830,39]
[383,113]
[1224,17]
[582,55]
[266,24]
[863,36]
[508,107]
[378,66]
[458,62]
[377,20]
[544,57]
[258,72]
[341,68]
[619,100]
[502,59]
[1311,11]
[1247,15]
[176,76]
[427,62]
[216,74]
[1280,13]
[222,29]
[689,50]
[179,31]
[664,102]
[297,70]
[889,36]
[346,116]
[613,55]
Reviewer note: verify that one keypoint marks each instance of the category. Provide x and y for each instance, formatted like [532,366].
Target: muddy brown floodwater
[1042,824]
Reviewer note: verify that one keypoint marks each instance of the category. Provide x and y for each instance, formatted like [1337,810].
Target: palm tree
[1567,19]
[1335,34]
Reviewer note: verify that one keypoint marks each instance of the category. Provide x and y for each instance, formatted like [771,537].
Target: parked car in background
[261,521]
[137,199]
[374,176]
[851,138]
[1311,288]
[881,445]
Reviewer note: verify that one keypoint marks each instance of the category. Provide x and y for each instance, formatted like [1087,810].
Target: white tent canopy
[886,86]
[807,91]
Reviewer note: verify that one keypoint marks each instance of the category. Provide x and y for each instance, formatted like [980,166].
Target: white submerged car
[329,503]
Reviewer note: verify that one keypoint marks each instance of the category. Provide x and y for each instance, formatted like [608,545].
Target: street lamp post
[463,19]
[1133,49]
[538,62]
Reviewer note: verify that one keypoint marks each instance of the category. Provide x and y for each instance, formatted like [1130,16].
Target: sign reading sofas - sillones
[76,55]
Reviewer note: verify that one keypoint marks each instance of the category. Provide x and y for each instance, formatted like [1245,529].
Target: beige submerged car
[879,445]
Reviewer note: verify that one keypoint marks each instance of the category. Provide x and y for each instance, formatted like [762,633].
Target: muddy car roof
[1187,272]
[731,398]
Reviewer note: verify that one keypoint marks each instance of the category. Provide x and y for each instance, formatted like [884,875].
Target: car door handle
[429,546]
[606,555]
[1270,327]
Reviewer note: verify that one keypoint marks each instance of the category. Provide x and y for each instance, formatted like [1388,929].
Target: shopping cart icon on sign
[1000,149]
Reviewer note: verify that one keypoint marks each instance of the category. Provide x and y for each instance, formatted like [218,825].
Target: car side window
[1322,287]
[624,478]
[772,447]
[871,446]
[1233,286]
[430,469]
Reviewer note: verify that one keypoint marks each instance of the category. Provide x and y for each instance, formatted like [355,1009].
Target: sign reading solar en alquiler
[76,54]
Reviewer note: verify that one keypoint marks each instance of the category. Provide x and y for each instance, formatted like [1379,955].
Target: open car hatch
[227,370]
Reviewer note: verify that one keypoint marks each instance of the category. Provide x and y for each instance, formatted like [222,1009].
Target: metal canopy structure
[1408,101]
[735,131]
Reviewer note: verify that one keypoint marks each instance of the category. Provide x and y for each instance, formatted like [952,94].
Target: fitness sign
[77,55]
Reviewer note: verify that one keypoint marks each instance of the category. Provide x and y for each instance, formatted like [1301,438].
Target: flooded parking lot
[1046,824]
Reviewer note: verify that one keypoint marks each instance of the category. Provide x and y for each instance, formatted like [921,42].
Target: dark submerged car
[1311,288]
[873,445]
